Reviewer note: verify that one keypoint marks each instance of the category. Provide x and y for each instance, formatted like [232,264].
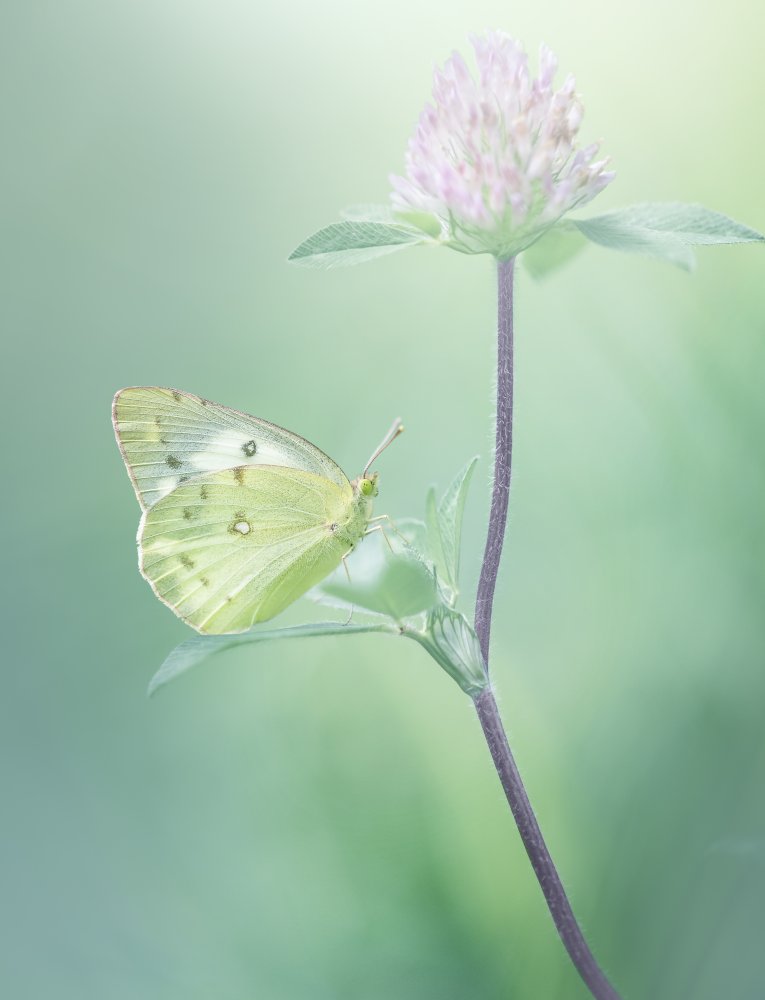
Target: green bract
[665,230]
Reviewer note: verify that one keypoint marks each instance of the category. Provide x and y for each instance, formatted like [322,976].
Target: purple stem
[503,457]
[485,704]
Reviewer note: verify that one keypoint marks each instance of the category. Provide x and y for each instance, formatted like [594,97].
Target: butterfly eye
[367,486]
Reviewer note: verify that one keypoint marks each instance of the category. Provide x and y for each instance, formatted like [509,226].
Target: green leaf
[451,510]
[665,229]
[198,649]
[398,584]
[435,540]
[453,644]
[345,243]
[553,250]
[415,534]
[692,224]
[444,521]
[618,236]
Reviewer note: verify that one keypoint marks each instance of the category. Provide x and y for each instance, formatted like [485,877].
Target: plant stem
[485,704]
[503,457]
[539,856]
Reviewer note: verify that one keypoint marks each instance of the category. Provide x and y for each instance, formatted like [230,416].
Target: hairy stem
[503,457]
[539,856]
[485,704]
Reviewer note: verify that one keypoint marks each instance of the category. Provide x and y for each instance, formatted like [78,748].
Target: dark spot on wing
[174,462]
[188,513]
[239,474]
[204,581]
[249,448]
[176,396]
[182,479]
[187,561]
[203,492]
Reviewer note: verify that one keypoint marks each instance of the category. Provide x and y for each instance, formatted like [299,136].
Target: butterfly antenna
[396,428]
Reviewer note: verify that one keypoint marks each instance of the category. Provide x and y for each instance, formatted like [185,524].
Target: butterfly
[240,517]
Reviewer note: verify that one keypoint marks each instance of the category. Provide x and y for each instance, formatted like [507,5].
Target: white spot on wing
[224,451]
[165,485]
[242,527]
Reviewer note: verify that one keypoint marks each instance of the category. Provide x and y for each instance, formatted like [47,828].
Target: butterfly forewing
[167,437]
[232,548]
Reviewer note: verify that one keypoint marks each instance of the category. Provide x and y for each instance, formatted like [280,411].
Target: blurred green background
[321,820]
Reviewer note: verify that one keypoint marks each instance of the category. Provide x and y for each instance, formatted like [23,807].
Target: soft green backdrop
[322,820]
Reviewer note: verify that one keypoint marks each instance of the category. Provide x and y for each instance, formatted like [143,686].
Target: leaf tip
[154,685]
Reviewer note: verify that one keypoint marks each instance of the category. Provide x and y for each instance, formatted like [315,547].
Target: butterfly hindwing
[167,437]
[232,548]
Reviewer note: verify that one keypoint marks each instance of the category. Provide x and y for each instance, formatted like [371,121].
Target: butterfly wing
[166,437]
[232,548]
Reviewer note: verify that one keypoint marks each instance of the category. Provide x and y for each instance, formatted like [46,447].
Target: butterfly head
[367,484]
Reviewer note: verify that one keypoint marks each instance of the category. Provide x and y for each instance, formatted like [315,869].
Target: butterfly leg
[391,525]
[379,527]
[345,566]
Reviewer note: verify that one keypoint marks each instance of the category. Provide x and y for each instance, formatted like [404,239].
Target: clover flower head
[494,157]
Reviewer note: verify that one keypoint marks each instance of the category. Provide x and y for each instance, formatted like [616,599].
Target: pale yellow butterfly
[240,517]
